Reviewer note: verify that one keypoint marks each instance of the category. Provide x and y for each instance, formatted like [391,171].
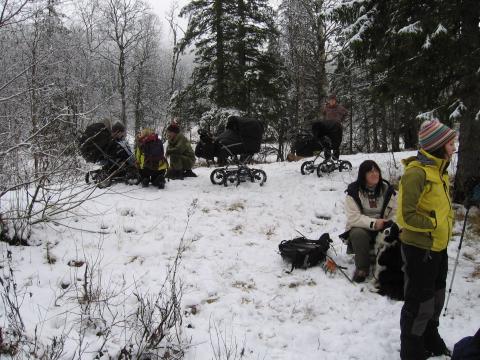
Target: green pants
[181,162]
[362,241]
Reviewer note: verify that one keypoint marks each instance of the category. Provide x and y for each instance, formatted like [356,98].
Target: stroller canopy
[241,136]
[245,131]
[97,144]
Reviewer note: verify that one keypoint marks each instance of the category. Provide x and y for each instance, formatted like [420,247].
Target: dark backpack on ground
[468,348]
[304,253]
[94,142]
[153,153]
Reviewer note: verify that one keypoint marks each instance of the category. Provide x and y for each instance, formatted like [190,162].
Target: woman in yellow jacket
[426,217]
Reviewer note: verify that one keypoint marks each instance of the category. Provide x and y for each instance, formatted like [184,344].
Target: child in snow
[150,159]
[426,217]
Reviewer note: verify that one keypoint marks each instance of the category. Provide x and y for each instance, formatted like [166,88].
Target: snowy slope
[236,288]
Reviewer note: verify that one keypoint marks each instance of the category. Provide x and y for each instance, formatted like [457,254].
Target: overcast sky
[162,7]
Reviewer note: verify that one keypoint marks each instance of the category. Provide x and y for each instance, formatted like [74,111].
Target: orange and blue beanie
[433,135]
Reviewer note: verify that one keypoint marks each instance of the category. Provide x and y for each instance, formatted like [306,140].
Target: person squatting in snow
[425,215]
[150,159]
[119,150]
[182,156]
[370,203]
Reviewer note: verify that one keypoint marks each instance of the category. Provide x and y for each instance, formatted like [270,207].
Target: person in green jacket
[182,156]
[426,217]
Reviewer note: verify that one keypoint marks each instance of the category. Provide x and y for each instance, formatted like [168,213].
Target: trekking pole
[456,260]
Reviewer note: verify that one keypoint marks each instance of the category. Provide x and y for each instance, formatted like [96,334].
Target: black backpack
[153,153]
[303,253]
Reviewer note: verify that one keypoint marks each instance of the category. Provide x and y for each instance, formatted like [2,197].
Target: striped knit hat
[433,135]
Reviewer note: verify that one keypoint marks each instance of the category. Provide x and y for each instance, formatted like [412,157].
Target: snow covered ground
[237,292]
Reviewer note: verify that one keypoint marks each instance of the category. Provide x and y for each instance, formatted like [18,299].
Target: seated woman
[150,158]
[370,203]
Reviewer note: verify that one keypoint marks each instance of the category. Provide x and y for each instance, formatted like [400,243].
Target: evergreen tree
[304,37]
[229,38]
[426,53]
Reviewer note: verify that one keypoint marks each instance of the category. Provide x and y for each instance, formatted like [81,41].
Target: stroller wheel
[259,176]
[345,165]
[325,167]
[217,176]
[231,177]
[307,167]
[103,179]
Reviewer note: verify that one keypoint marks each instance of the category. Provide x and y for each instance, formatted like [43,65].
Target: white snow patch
[411,29]
[233,277]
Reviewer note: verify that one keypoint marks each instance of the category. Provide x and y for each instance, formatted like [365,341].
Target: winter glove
[330,266]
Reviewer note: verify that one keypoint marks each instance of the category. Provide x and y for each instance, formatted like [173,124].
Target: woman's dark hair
[365,167]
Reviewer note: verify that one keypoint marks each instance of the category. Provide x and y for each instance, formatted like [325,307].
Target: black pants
[334,132]
[425,274]
[154,176]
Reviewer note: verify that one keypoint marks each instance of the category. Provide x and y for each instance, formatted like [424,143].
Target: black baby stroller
[114,156]
[234,149]
[307,145]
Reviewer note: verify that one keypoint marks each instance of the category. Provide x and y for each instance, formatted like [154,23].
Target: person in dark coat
[182,156]
[119,151]
[333,115]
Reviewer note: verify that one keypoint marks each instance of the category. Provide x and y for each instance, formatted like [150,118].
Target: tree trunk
[220,63]
[242,61]
[122,86]
[468,168]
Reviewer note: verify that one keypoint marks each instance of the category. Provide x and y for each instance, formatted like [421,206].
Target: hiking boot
[189,173]
[145,182]
[359,276]
[174,174]
[434,342]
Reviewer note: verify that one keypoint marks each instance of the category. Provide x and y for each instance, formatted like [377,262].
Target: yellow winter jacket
[424,205]
[140,159]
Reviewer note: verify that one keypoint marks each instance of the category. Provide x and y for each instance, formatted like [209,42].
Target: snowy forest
[65,64]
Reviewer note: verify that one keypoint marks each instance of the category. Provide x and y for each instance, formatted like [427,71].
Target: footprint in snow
[126,212]
[129,229]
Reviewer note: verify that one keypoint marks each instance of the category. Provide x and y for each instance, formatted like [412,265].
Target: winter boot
[189,173]
[412,348]
[159,182]
[433,341]
[145,182]
[175,174]
[359,276]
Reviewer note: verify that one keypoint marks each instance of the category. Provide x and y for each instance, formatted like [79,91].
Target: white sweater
[366,220]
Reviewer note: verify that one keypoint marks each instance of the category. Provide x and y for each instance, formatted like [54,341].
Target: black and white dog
[388,266]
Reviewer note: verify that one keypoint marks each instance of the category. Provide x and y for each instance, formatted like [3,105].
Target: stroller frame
[112,171]
[326,166]
[236,170]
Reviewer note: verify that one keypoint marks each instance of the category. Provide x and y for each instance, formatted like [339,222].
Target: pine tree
[304,37]
[229,38]
[424,53]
